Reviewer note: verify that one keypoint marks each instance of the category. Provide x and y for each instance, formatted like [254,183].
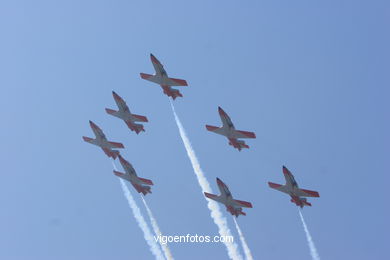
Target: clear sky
[311,78]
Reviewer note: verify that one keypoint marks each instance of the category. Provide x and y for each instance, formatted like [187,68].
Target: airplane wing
[122,175]
[145,181]
[244,134]
[215,129]
[115,145]
[213,197]
[120,102]
[241,203]
[279,187]
[140,118]
[175,82]
[306,193]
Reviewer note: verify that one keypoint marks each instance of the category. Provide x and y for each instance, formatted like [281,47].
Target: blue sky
[309,77]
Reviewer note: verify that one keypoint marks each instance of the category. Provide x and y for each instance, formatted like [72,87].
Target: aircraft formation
[133,121]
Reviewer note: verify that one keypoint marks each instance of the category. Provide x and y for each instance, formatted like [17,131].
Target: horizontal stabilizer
[146,181]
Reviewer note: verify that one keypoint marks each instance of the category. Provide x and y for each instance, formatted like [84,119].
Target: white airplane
[226,198]
[291,188]
[102,142]
[230,131]
[125,114]
[140,184]
[161,78]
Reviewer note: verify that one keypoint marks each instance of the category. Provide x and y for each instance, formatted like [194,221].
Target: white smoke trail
[157,231]
[313,249]
[216,214]
[247,251]
[153,246]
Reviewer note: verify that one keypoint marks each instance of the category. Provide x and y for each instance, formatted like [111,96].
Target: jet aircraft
[125,114]
[102,142]
[233,206]
[140,184]
[161,78]
[292,189]
[230,131]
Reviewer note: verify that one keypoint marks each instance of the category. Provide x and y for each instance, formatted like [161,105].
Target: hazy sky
[311,78]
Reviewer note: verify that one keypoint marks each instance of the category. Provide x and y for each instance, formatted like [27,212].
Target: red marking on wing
[141,118]
[118,173]
[87,139]
[116,145]
[244,203]
[211,128]
[274,185]
[145,76]
[154,59]
[117,97]
[181,82]
[312,193]
[286,171]
[209,195]
[146,181]
[221,111]
[221,183]
[248,134]
[93,125]
[110,111]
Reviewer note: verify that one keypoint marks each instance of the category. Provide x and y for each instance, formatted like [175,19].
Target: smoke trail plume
[247,251]
[313,249]
[216,214]
[157,231]
[153,246]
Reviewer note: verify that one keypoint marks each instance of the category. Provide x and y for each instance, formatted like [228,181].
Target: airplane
[161,78]
[102,142]
[233,206]
[125,114]
[140,184]
[291,188]
[230,131]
